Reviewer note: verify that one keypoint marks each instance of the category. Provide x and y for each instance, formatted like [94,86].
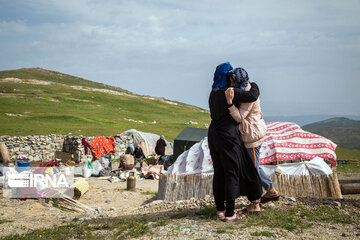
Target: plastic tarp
[195,160]
[198,160]
[316,166]
[150,140]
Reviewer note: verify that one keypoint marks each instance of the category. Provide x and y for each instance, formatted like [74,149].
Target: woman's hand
[229,94]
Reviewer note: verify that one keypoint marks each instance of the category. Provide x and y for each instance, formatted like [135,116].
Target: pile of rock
[44,147]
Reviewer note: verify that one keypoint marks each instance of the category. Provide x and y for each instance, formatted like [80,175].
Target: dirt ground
[30,214]
[115,201]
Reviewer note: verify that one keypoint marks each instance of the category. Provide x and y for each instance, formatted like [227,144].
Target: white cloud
[172,47]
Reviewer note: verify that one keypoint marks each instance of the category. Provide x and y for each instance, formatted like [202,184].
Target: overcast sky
[304,55]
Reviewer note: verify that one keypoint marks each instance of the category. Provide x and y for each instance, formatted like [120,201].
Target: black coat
[138,153]
[234,172]
[160,147]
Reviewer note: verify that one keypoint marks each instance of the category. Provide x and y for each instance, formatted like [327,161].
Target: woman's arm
[241,96]
[241,113]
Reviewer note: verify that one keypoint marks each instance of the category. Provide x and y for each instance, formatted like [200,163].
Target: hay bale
[173,188]
[80,187]
[317,186]
[4,154]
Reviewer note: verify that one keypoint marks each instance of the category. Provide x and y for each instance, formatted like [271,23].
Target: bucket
[22,166]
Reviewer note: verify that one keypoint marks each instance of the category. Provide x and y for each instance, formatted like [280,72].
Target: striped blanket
[287,141]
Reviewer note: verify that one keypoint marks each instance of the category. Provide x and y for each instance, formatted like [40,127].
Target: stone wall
[43,147]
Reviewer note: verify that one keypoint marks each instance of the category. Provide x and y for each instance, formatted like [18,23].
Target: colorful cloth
[240,77]
[86,145]
[287,141]
[101,145]
[152,171]
[220,76]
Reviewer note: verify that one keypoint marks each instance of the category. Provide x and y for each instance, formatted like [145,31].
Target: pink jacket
[252,125]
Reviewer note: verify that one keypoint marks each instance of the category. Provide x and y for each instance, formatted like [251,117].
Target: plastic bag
[97,167]
[87,169]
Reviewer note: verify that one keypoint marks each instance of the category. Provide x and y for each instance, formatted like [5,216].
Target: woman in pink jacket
[253,130]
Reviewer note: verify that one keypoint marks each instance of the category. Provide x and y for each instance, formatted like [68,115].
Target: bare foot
[234,218]
[220,214]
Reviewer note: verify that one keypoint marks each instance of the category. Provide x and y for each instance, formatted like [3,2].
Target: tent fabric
[149,139]
[187,138]
[287,141]
[195,160]
[317,166]
[284,141]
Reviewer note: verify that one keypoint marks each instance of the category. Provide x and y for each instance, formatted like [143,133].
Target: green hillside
[343,131]
[36,101]
[353,165]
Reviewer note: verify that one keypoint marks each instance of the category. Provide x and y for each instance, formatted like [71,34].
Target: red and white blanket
[287,141]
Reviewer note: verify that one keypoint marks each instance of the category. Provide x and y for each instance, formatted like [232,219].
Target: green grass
[5,221]
[179,215]
[119,229]
[262,233]
[353,158]
[347,154]
[348,168]
[299,217]
[292,218]
[160,222]
[149,193]
[60,109]
[207,212]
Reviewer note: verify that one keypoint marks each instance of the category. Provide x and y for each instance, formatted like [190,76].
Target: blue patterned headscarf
[240,77]
[220,76]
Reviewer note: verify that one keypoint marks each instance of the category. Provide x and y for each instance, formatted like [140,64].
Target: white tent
[149,139]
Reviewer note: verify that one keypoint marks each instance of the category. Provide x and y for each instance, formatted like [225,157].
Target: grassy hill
[36,101]
[343,131]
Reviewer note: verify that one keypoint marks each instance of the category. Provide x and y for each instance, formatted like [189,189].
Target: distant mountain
[343,131]
[306,119]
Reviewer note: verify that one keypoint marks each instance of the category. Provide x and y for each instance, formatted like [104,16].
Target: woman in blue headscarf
[234,172]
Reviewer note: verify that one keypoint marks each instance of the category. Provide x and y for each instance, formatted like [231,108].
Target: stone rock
[100,209]
[180,206]
[90,212]
[84,219]
[112,209]
[155,202]
[270,205]
[54,212]
[337,204]
[185,230]
[107,200]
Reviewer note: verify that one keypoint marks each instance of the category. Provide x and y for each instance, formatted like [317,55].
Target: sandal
[238,217]
[245,211]
[268,199]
